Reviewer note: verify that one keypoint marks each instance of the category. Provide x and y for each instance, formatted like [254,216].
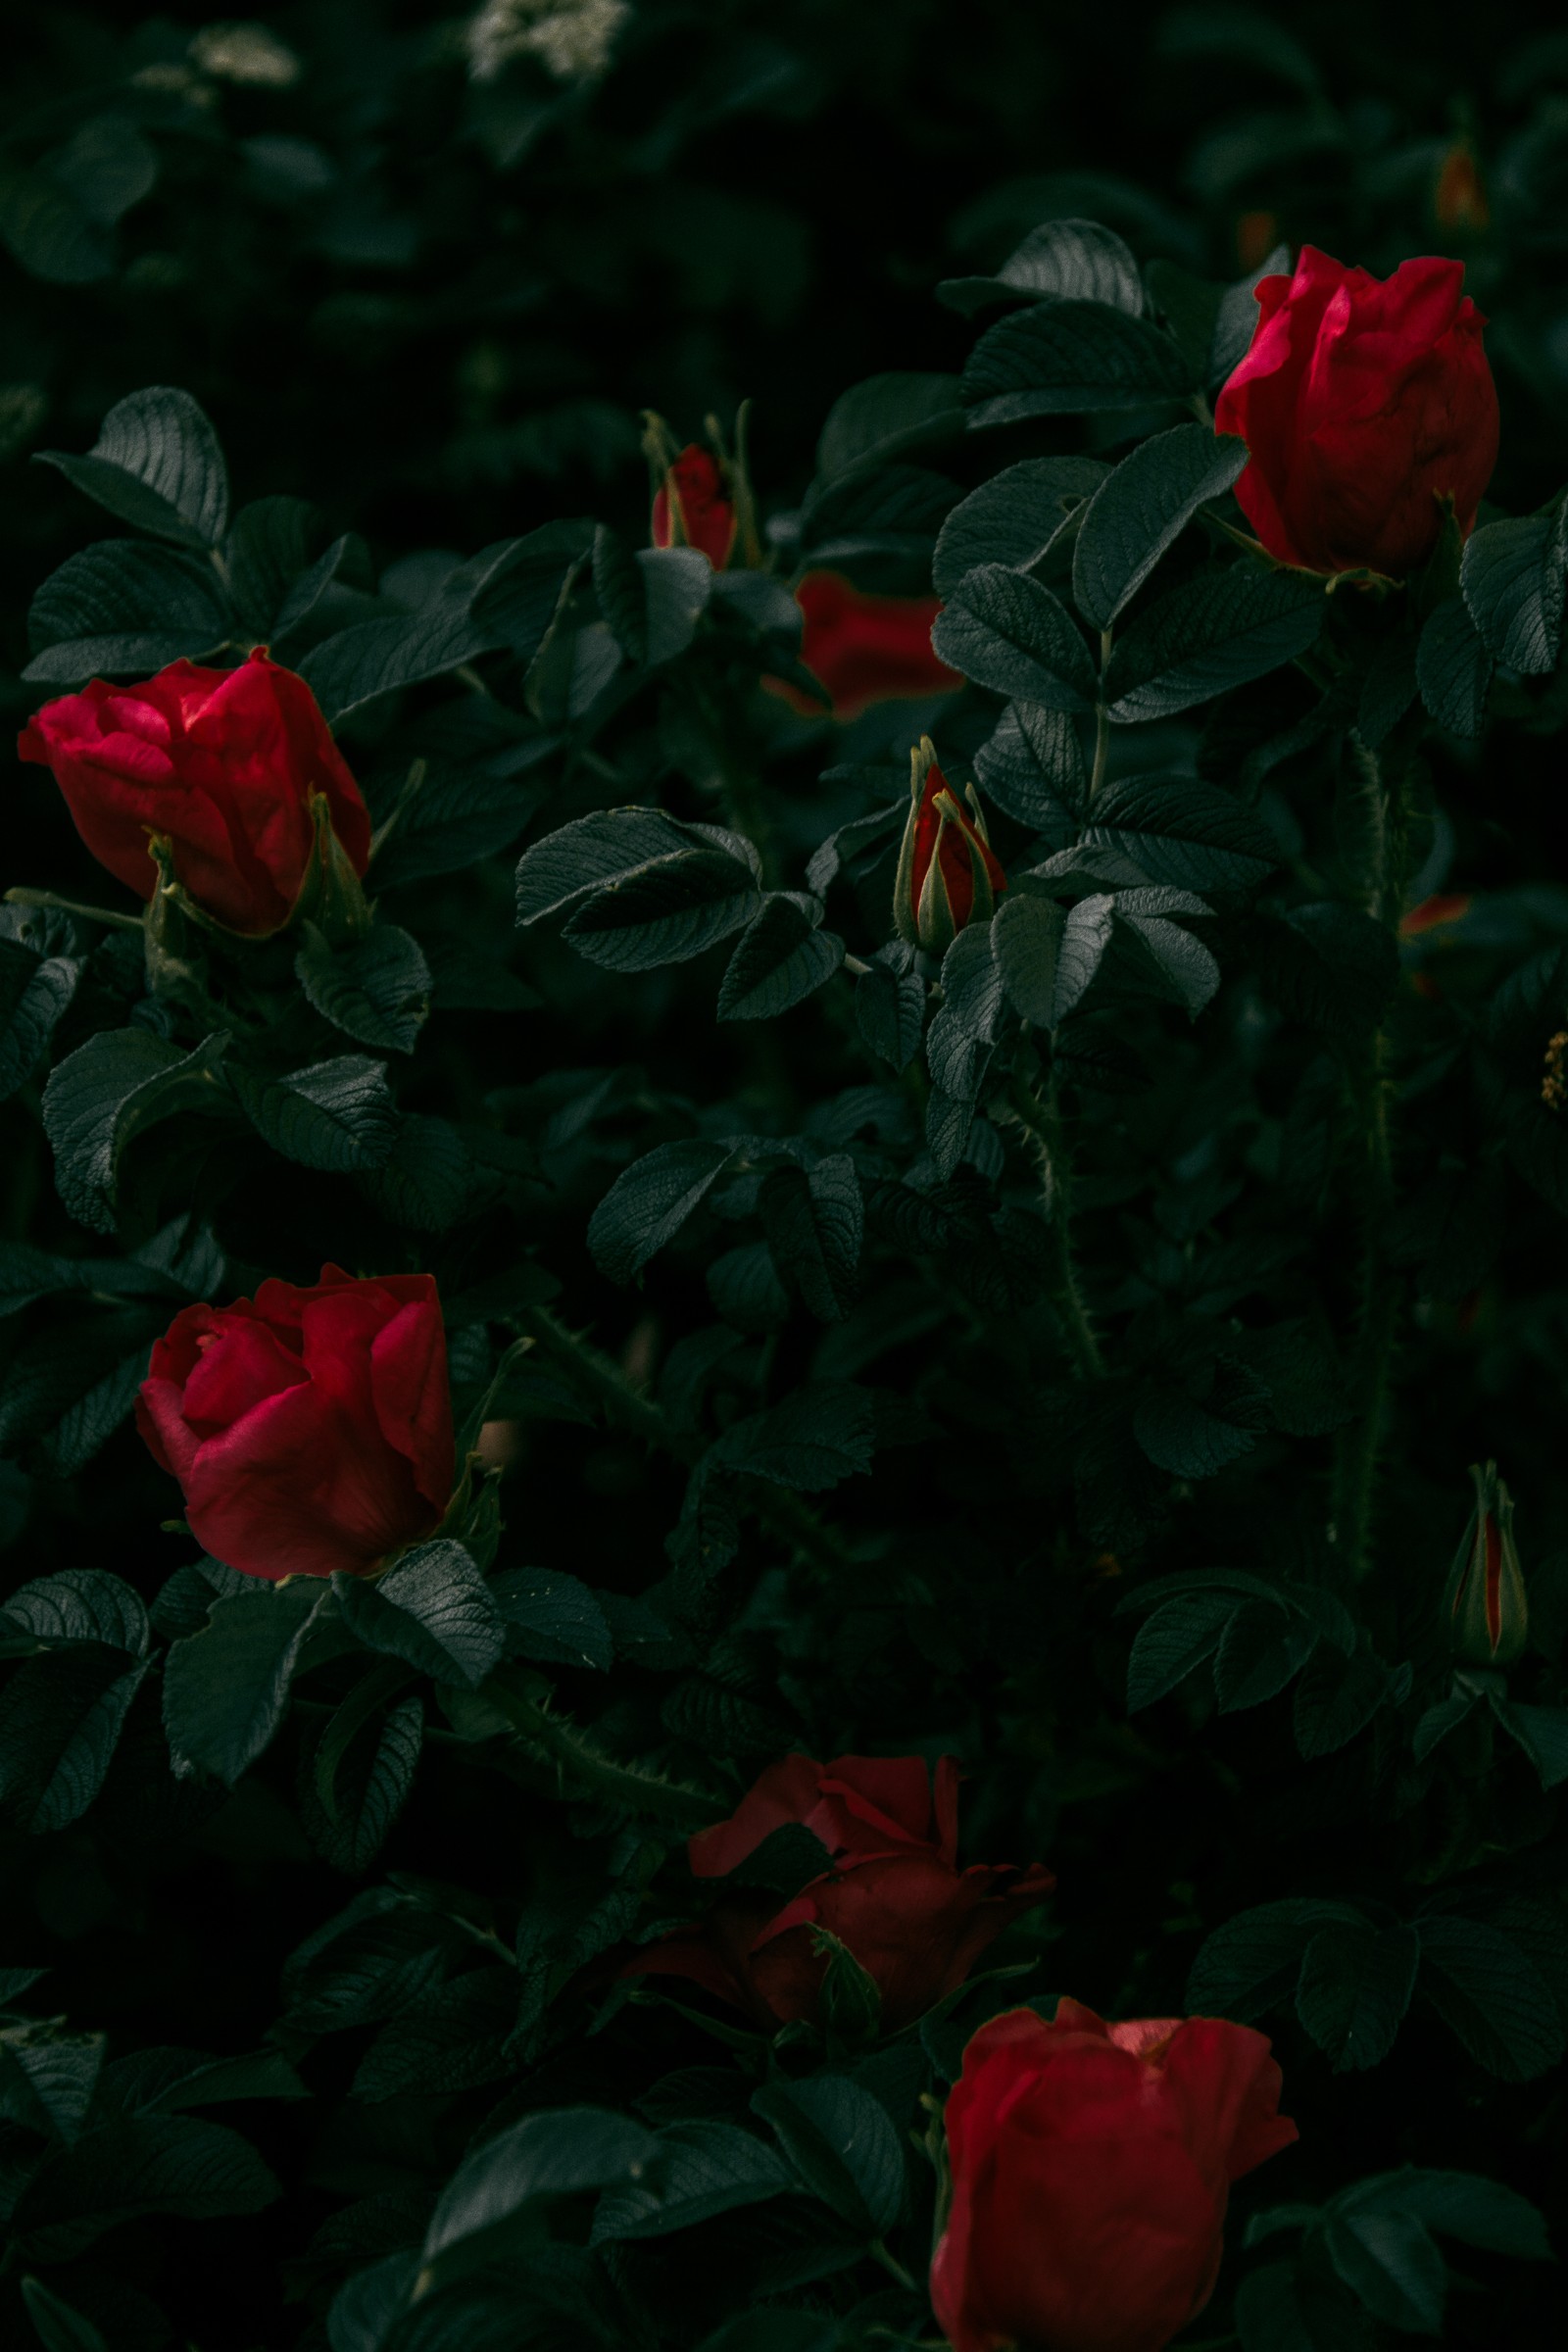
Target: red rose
[693,508]
[310,1429]
[222,763]
[865,649]
[893,1893]
[1091,2169]
[948,874]
[1364,402]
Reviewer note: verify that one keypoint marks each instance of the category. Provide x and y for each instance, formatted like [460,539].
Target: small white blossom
[247,54]
[573,39]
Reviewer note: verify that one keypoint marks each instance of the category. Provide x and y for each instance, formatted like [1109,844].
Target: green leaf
[1180,1636]
[1331,967]
[554,1618]
[1454,669]
[1391,2263]
[1511,577]
[47,2078]
[885,416]
[80,1605]
[1492,1997]
[780,958]
[650,1200]
[1183,832]
[1335,1697]
[1027,935]
[1187,970]
[1252,1964]
[959,1038]
[57,2325]
[1033,769]
[61,1717]
[1462,2205]
[225,1688]
[666,914]
[149,2164]
[35,991]
[1004,630]
[337,1115]
[1236,321]
[843,2143]
[815,1439]
[1542,1732]
[360,1777]
[890,1012]
[1440,1720]
[426,1180]
[165,2081]
[1355,1986]
[1144,506]
[1064,355]
[1078,258]
[1013,518]
[156,465]
[376,990]
[1274,2314]
[611,847]
[703,2170]
[112,1089]
[451,2038]
[268,548]
[434,1610]
[1214,632]
[560,2152]
[1259,1652]
[57,218]
[118,609]
[677,584]
[814,1224]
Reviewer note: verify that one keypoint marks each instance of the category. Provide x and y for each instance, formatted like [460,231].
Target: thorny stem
[790,1517]
[1371,1089]
[1041,1121]
[577,1759]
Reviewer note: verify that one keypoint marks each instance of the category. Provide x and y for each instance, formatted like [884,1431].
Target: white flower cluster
[573,39]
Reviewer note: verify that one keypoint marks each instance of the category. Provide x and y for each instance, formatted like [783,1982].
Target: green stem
[1379,1288]
[1101,721]
[575,1757]
[22,896]
[1042,1122]
[892,2265]
[790,1517]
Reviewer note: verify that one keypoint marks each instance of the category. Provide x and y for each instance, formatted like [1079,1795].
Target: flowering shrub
[753,1244]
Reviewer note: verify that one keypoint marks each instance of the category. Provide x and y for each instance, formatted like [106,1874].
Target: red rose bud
[1444,907]
[865,649]
[310,1429]
[228,768]
[893,1893]
[692,507]
[948,874]
[1091,2170]
[1489,1610]
[1368,407]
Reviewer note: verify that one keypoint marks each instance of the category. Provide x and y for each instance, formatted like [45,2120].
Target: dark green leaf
[1215,632]
[814,1224]
[886,414]
[1135,515]
[1033,769]
[156,465]
[1073,258]
[552,1617]
[1391,2263]
[1177,1639]
[1513,588]
[1355,1986]
[666,914]
[780,957]
[225,1688]
[843,2143]
[57,2325]
[1251,1963]
[1180,831]
[149,2164]
[1013,518]
[376,990]
[337,1115]
[1454,669]
[1062,355]
[890,1012]
[817,1436]
[1492,1996]
[120,608]
[558,2153]
[432,1609]
[1331,967]
[1005,631]
[702,2170]
[650,1202]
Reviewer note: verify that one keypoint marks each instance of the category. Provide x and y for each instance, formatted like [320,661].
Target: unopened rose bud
[1489,1609]
[948,874]
[701,497]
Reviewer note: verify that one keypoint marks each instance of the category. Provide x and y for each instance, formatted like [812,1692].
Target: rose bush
[1091,2166]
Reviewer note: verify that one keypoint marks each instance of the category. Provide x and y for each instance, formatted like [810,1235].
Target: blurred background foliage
[425,269]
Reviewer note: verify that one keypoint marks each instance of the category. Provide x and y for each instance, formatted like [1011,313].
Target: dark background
[436,307]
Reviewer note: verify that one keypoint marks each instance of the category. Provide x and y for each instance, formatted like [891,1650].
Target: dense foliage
[764,1178]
